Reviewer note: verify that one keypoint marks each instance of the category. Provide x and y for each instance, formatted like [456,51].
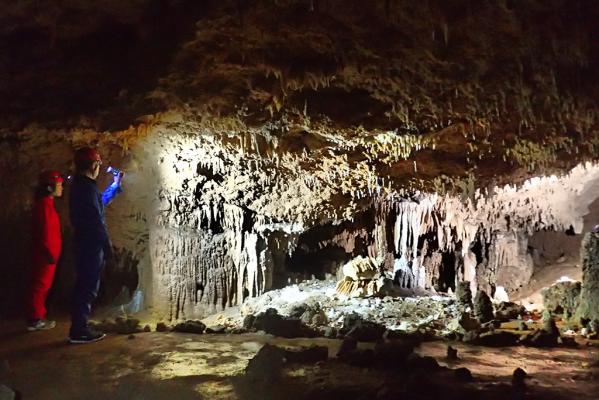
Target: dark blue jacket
[86,209]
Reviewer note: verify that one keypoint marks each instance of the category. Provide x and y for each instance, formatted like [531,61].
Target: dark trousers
[89,263]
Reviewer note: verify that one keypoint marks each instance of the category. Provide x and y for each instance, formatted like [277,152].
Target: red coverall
[46,246]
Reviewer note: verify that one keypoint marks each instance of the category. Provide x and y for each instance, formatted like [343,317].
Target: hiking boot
[89,336]
[40,325]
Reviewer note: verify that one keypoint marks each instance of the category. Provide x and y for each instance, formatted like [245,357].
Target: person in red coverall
[46,246]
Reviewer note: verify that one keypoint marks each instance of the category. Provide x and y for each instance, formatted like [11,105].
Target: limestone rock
[307,355]
[507,310]
[271,322]
[319,319]
[248,321]
[589,295]
[548,336]
[361,330]
[562,299]
[452,354]
[392,353]
[266,364]
[347,345]
[518,378]
[122,326]
[465,323]
[359,278]
[360,268]
[496,339]
[161,327]
[361,288]
[190,326]
[463,294]
[463,374]
[330,332]
[483,308]
[216,329]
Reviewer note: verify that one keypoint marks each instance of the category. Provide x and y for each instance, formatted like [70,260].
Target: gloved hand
[118,178]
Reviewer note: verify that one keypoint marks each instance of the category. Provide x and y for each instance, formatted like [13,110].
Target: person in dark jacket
[90,240]
[45,249]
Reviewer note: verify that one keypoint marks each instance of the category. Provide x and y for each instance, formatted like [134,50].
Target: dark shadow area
[325,248]
[56,75]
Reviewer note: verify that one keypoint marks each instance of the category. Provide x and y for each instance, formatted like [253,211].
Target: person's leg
[41,281]
[42,276]
[88,264]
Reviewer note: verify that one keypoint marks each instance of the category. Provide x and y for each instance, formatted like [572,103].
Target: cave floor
[42,365]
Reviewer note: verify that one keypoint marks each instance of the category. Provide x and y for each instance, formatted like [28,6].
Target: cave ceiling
[423,94]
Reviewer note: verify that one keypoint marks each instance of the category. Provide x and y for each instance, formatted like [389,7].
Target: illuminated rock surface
[266,143]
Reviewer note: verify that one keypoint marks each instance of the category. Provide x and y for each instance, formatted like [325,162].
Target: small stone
[518,378]
[491,325]
[248,322]
[464,323]
[330,332]
[266,364]
[463,374]
[452,354]
[307,355]
[161,327]
[217,329]
[522,326]
[496,339]
[190,326]
[236,331]
[470,336]
[307,316]
[147,328]
[298,310]
[550,327]
[131,337]
[271,322]
[348,344]
[319,319]
[507,311]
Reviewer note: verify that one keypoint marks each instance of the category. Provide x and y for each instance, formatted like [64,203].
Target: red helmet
[87,154]
[50,178]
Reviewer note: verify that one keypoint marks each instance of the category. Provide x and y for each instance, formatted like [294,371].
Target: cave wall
[261,136]
[205,224]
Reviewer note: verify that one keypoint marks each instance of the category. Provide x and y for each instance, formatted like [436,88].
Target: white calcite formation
[212,215]
[226,218]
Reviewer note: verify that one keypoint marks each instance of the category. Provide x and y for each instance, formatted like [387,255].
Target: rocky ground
[317,304]
[171,365]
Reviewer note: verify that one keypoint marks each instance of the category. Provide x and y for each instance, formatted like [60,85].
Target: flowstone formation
[267,143]
[589,296]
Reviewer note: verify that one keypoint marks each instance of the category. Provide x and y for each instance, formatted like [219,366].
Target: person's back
[91,242]
[86,211]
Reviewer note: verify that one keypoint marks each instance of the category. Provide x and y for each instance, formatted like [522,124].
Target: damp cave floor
[154,366]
